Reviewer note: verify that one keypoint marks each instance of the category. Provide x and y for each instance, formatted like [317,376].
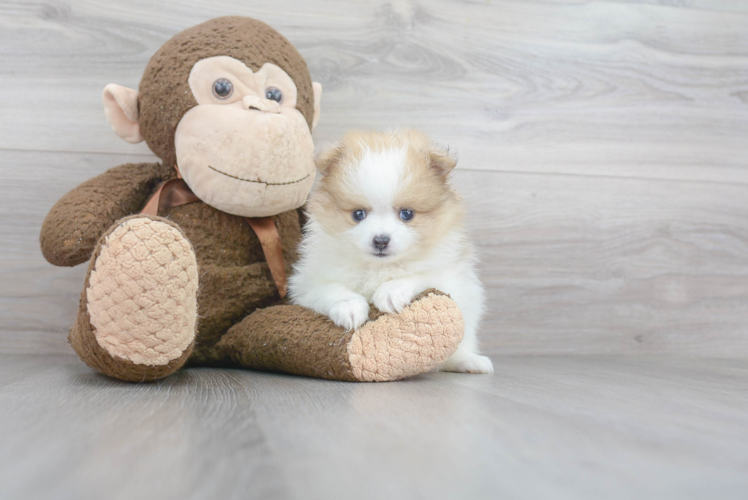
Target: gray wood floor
[543,427]
[604,156]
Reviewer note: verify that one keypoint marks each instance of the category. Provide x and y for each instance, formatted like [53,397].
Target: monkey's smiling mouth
[259,182]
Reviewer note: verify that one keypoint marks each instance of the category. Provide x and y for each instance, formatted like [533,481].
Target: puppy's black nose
[381,241]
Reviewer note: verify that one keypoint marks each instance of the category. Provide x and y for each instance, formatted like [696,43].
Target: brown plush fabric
[75,223]
[228,295]
[83,341]
[290,339]
[296,340]
[165,95]
[234,278]
[227,240]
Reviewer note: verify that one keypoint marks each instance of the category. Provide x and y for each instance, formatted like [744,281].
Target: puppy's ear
[329,158]
[442,161]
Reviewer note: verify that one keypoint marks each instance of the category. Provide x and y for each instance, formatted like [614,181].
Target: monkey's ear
[329,157]
[121,110]
[317,87]
[442,161]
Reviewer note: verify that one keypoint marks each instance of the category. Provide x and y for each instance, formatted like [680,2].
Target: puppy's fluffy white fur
[385,177]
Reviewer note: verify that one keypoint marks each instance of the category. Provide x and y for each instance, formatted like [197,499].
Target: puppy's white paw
[393,296]
[467,363]
[350,313]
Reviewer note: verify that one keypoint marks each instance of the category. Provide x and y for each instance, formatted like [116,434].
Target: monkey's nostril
[255,108]
[381,241]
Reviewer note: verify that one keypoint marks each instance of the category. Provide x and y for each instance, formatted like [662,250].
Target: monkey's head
[231,104]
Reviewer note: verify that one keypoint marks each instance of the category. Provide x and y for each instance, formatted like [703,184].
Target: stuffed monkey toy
[188,258]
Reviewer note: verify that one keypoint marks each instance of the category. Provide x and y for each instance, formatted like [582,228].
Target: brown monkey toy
[188,257]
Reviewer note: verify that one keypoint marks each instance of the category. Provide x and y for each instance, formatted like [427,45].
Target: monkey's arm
[78,219]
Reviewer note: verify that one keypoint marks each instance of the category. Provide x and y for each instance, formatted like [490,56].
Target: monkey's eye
[406,214]
[359,215]
[223,88]
[274,94]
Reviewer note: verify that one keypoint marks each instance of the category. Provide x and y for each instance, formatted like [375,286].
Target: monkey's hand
[75,223]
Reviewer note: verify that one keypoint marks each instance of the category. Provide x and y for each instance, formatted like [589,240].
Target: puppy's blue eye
[274,94]
[223,88]
[359,215]
[406,214]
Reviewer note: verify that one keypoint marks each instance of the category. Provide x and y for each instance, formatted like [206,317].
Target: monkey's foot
[417,340]
[296,340]
[138,310]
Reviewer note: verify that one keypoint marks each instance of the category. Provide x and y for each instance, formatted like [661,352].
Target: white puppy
[384,225]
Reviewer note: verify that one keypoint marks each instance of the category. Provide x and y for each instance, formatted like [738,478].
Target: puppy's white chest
[373,279]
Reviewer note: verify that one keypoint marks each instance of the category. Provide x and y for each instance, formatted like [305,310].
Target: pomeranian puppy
[384,225]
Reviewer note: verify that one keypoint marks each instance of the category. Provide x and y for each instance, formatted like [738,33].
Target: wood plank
[637,89]
[542,427]
[606,93]
[584,264]
[572,264]
[95,437]
[17,367]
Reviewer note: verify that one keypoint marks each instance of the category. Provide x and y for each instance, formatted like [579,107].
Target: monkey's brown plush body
[192,284]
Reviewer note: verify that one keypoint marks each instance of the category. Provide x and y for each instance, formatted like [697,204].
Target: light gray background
[603,149]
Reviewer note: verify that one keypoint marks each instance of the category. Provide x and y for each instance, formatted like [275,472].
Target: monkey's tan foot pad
[396,346]
[141,297]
